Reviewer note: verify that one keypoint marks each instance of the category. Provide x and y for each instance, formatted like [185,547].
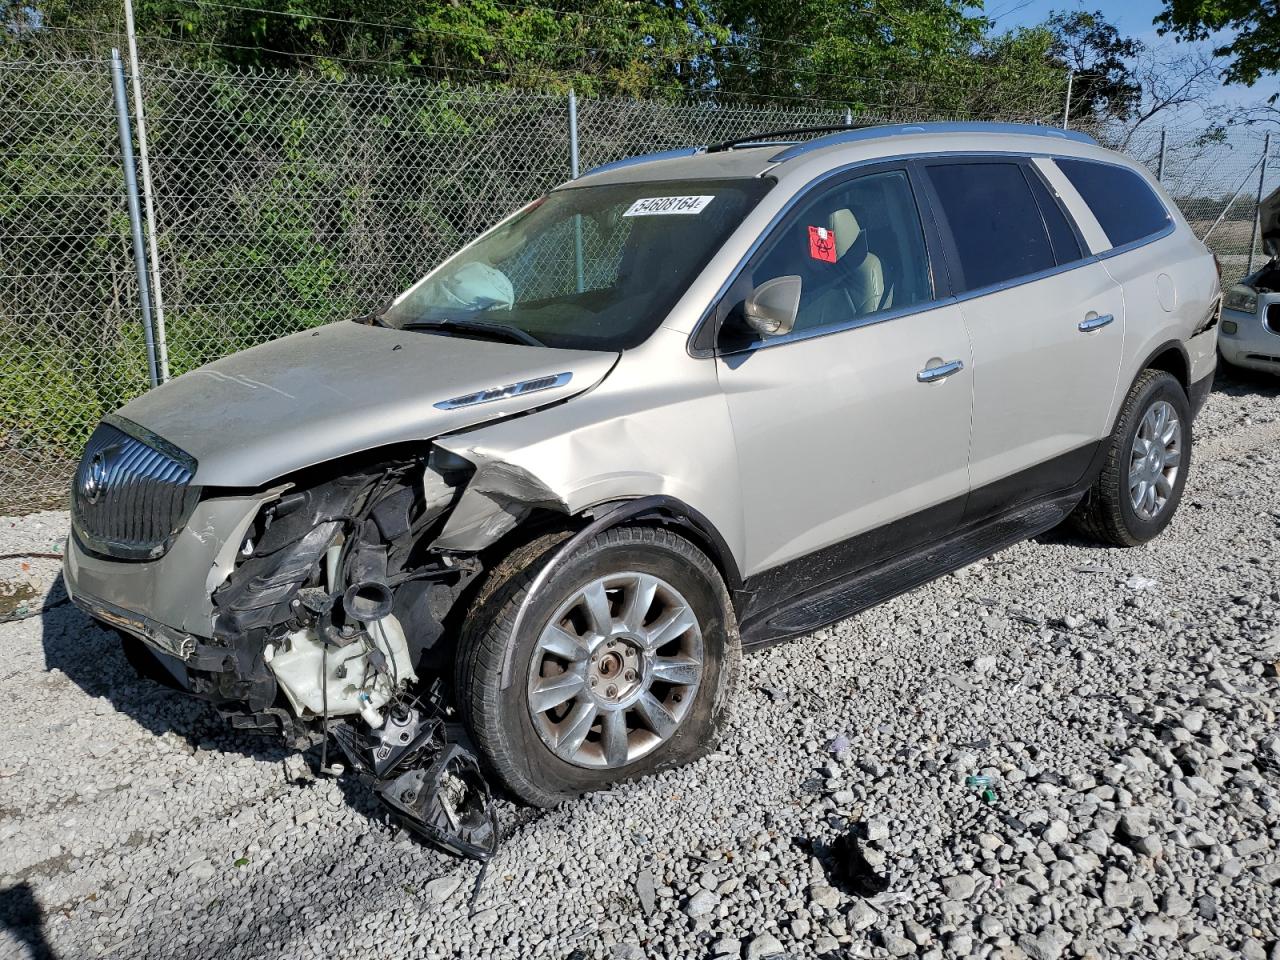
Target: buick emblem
[95,478]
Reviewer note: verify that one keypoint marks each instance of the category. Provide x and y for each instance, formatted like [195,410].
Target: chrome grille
[132,492]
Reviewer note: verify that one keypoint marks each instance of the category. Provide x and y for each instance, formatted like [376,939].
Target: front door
[852,431]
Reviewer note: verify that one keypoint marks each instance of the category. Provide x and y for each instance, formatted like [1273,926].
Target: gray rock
[442,888]
[701,903]
[1056,832]
[1174,904]
[862,915]
[1048,944]
[824,896]
[959,887]
[896,945]
[646,892]
[1135,823]
[763,945]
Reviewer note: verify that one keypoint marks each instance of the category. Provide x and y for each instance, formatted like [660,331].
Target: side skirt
[828,603]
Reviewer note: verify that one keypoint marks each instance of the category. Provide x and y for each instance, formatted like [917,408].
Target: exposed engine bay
[331,624]
[1267,280]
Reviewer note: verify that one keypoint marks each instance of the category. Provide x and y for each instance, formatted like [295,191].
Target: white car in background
[1250,335]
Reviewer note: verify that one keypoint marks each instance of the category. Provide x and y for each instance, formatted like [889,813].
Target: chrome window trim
[1169,228]
[871,319]
[884,316]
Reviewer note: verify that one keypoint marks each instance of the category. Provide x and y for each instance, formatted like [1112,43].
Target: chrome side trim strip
[518,389]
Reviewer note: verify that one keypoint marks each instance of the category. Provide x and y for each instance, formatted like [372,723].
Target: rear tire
[635,630]
[1149,454]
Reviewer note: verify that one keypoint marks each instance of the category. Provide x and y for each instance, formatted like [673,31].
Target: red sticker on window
[822,244]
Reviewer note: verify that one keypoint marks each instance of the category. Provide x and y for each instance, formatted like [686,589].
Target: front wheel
[624,664]
[1141,482]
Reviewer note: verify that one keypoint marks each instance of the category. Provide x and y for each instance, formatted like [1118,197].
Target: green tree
[891,57]
[1254,48]
[1088,44]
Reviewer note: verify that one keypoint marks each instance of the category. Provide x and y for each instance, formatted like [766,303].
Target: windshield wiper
[500,330]
[374,317]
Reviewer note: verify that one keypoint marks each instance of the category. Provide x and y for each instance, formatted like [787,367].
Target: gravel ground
[1123,703]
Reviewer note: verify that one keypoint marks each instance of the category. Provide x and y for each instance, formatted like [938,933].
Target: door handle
[940,372]
[1095,323]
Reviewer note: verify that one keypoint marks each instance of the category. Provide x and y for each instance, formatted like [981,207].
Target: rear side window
[1125,207]
[995,221]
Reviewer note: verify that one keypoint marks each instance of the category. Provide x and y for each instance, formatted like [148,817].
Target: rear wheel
[1141,482]
[624,663]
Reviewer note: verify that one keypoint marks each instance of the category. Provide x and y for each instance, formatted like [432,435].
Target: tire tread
[1099,517]
[488,628]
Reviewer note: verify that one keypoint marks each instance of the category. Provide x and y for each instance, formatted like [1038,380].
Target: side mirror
[771,308]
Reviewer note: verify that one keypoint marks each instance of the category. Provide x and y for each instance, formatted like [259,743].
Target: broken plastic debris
[436,787]
[1140,583]
[983,785]
[839,745]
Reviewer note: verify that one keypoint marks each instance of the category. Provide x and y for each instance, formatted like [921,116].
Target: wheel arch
[1171,357]
[655,509]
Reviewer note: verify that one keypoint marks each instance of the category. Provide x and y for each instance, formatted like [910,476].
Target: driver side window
[858,248]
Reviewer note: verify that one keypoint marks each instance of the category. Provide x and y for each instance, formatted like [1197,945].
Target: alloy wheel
[615,670]
[1154,460]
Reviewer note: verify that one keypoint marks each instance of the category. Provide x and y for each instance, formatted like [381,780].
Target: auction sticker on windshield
[663,206]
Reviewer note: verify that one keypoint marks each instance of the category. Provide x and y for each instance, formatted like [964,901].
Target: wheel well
[1172,361]
[696,528]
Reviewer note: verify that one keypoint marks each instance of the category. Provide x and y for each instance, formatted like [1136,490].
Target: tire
[536,755]
[1108,513]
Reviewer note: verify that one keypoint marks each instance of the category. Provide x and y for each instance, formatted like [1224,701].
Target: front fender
[630,437]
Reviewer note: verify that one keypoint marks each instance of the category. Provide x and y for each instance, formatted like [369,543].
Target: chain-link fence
[286,201]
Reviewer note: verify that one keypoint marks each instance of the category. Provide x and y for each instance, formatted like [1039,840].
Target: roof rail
[844,133]
[647,158]
[761,139]
[903,129]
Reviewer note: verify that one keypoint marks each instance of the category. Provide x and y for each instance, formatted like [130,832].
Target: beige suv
[681,405]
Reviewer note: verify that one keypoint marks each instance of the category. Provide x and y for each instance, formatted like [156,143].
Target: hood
[1269,217]
[344,388]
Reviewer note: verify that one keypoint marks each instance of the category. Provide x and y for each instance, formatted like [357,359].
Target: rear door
[847,428]
[1046,323]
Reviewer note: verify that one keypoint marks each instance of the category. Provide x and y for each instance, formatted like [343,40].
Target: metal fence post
[135,70]
[1066,107]
[573,171]
[135,211]
[1164,139]
[573,134]
[1257,208]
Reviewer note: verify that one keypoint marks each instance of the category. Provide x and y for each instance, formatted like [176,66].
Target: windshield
[595,268]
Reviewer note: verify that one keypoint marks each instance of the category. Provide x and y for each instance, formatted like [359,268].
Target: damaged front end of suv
[364,531]
[321,600]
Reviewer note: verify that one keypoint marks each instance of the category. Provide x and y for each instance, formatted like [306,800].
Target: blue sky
[1132,17]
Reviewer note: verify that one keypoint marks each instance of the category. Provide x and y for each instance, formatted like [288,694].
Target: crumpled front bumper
[166,602]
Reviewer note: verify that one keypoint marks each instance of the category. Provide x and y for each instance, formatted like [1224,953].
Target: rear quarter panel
[1170,290]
